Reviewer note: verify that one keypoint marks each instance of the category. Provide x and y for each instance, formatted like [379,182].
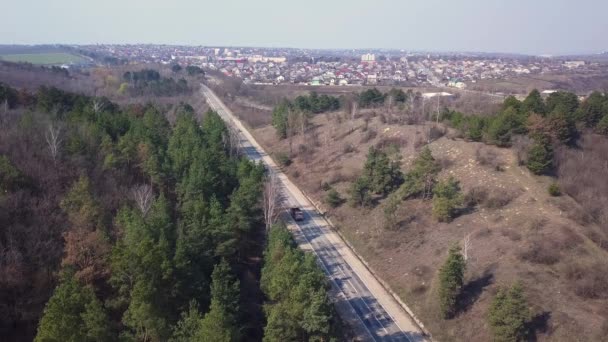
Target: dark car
[297,214]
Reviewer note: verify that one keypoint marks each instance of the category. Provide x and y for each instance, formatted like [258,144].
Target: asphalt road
[360,299]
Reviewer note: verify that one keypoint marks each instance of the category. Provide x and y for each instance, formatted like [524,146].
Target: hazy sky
[523,26]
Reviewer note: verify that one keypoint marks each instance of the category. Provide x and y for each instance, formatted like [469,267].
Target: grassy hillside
[516,230]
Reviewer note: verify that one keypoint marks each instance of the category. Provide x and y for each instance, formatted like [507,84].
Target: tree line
[150,82]
[557,120]
[120,225]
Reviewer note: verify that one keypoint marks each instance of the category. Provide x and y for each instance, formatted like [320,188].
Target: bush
[554,190]
[283,159]
[333,198]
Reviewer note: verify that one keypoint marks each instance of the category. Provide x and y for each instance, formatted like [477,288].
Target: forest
[119,225]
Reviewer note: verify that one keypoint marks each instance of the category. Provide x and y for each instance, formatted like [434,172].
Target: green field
[50,58]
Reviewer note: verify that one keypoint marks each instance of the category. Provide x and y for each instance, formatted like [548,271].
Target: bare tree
[272,199]
[144,197]
[98,106]
[53,140]
[467,245]
[233,140]
[353,110]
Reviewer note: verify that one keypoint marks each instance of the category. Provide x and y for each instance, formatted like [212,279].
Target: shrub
[545,252]
[325,186]
[348,148]
[283,159]
[333,198]
[509,314]
[475,196]
[554,190]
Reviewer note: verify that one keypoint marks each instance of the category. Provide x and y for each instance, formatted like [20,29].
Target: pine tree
[382,174]
[446,199]
[359,193]
[221,322]
[451,278]
[189,324]
[73,314]
[540,157]
[509,314]
[534,103]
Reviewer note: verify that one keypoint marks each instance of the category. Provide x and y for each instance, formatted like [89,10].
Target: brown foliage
[87,252]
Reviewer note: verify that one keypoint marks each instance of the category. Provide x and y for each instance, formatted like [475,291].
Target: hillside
[516,230]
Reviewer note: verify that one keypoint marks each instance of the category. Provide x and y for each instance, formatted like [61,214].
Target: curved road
[358,296]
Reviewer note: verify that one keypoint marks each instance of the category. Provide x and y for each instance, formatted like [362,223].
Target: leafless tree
[467,245]
[98,106]
[272,199]
[53,140]
[353,110]
[144,197]
[233,140]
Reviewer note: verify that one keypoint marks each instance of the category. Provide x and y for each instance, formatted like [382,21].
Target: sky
[540,27]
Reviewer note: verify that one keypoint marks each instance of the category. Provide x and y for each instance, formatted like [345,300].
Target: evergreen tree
[73,314]
[421,177]
[534,103]
[503,126]
[382,174]
[446,199]
[189,324]
[451,278]
[359,193]
[602,126]
[509,314]
[540,157]
[185,139]
[279,118]
[221,322]
[592,109]
[512,102]
[563,101]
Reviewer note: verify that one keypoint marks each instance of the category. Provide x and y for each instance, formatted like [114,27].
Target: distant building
[368,58]
[574,64]
[372,79]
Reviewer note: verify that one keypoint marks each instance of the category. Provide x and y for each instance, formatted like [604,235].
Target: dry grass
[518,231]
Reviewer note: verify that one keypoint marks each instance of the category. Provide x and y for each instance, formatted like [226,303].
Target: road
[360,299]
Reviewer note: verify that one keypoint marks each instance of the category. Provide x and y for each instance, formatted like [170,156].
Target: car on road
[297,214]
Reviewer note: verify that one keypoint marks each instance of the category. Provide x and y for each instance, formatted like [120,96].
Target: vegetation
[149,82]
[451,278]
[299,307]
[48,58]
[371,97]
[333,198]
[509,314]
[446,199]
[143,220]
[554,190]
[550,123]
[382,174]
